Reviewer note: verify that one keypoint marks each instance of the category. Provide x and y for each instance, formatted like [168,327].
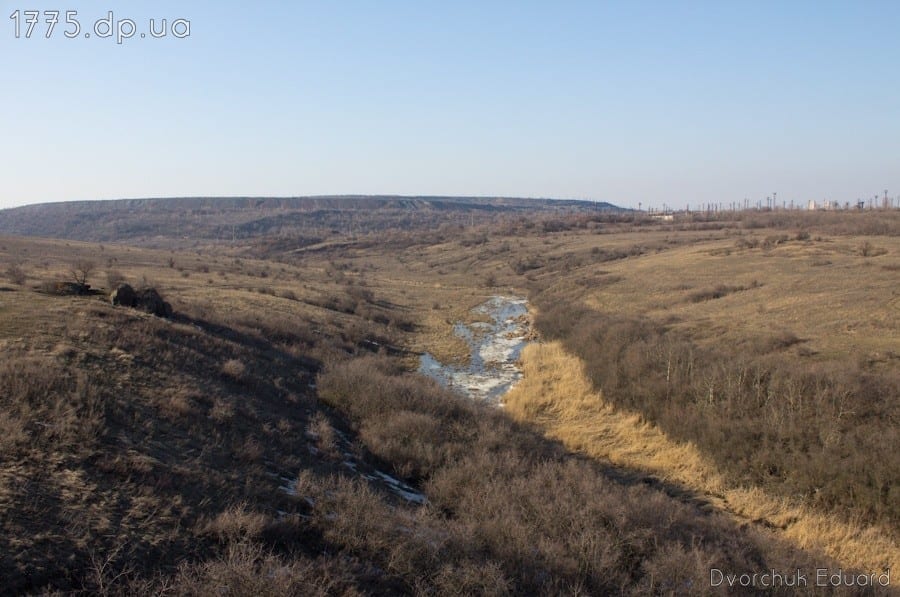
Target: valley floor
[703,395]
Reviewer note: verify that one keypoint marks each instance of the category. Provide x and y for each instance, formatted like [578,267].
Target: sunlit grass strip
[556,393]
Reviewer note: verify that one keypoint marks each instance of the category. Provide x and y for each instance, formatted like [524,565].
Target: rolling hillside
[303,219]
[272,438]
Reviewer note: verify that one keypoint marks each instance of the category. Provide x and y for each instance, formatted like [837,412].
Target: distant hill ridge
[141,220]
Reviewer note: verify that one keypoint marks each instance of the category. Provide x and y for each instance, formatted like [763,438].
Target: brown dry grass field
[718,392]
[556,394]
[839,303]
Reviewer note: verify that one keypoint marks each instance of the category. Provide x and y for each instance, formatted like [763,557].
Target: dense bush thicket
[172,487]
[827,433]
[509,511]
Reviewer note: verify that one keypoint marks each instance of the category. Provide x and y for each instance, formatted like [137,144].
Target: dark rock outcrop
[146,299]
[123,296]
[149,300]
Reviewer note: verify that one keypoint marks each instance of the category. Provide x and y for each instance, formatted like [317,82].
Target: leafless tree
[80,270]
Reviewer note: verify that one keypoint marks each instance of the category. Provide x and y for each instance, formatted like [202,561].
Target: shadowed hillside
[270,437]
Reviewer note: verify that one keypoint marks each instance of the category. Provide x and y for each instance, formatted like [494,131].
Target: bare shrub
[472,578]
[746,243]
[867,249]
[674,570]
[107,574]
[235,524]
[222,411]
[249,450]
[361,294]
[765,420]
[413,442]
[247,568]
[177,405]
[370,386]
[306,484]
[320,429]
[234,369]
[773,240]
[80,270]
[355,516]
[778,341]
[60,288]
[342,303]
[719,291]
[16,275]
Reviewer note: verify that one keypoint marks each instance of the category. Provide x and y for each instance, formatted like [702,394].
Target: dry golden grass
[819,298]
[556,394]
[170,464]
[169,439]
[836,301]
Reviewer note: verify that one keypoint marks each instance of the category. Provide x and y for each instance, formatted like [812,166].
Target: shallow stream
[494,347]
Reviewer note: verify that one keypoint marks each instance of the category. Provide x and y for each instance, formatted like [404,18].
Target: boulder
[123,295]
[146,299]
[149,300]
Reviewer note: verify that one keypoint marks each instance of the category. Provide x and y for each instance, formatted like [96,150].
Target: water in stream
[494,347]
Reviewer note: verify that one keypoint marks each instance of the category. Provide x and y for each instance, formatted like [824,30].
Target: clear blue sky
[651,102]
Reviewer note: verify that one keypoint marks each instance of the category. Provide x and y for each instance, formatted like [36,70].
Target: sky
[637,103]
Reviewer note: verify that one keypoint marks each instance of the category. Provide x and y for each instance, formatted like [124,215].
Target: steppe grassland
[839,303]
[556,395]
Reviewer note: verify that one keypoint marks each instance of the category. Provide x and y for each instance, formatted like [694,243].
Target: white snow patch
[495,349]
[288,486]
[402,489]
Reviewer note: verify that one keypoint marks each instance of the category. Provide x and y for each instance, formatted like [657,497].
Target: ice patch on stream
[494,347]
[366,471]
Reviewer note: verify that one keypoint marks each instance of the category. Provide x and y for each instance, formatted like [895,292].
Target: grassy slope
[127,437]
[180,441]
[838,302]
[816,302]
[821,306]
[557,395]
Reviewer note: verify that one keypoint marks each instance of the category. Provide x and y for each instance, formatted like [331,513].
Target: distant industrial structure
[828,205]
[882,202]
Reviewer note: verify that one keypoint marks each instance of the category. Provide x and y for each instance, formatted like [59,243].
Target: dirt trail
[556,394]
